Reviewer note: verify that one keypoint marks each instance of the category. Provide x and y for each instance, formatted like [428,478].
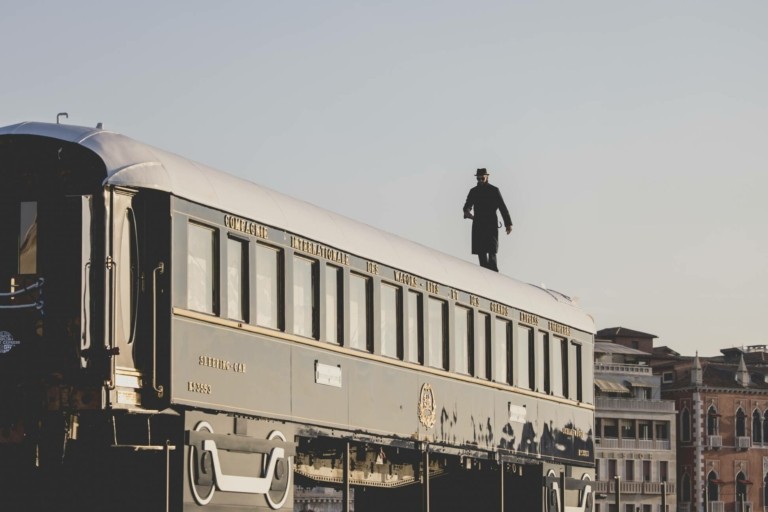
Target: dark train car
[175,338]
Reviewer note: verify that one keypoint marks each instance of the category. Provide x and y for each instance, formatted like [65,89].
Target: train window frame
[236,244]
[306,325]
[503,351]
[463,353]
[578,362]
[558,352]
[334,329]
[526,357]
[26,246]
[393,320]
[437,339]
[484,359]
[415,327]
[278,300]
[360,315]
[212,309]
[546,382]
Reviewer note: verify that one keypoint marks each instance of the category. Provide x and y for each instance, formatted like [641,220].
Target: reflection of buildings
[634,428]
[723,427]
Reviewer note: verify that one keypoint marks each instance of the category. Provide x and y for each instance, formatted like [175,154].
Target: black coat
[484,200]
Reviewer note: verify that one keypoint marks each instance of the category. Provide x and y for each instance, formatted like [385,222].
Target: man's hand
[509,229]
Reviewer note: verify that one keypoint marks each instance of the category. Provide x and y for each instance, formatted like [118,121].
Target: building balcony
[633,444]
[632,369]
[631,487]
[715,442]
[716,506]
[623,404]
[743,442]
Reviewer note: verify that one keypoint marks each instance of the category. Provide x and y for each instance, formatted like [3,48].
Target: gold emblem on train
[427,407]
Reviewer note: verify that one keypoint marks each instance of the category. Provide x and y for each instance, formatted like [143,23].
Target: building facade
[722,405]
[635,430]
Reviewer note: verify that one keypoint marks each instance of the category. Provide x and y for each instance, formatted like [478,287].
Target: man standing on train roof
[485,199]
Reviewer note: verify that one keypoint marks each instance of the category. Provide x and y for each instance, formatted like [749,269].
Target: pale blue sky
[630,139]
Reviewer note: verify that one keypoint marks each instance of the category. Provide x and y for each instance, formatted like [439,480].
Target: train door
[134,279]
[45,254]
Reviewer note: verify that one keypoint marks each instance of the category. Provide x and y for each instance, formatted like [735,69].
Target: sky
[629,139]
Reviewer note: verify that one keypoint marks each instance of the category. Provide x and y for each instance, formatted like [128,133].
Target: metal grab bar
[39,284]
[160,268]
[37,305]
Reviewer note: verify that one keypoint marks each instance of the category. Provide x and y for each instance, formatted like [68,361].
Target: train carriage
[175,338]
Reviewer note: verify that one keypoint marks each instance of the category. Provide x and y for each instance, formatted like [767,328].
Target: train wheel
[202,493]
[281,480]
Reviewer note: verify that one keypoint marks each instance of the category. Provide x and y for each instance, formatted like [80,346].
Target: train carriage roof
[134,164]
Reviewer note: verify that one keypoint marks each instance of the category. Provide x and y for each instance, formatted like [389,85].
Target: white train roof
[132,163]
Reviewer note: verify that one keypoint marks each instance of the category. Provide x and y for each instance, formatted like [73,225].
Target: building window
[415,328]
[629,470]
[557,365]
[503,342]
[757,427]
[611,469]
[663,471]
[334,304]
[360,312]
[391,321]
[713,487]
[668,377]
[765,490]
[610,428]
[741,423]
[713,422]
[438,334]
[685,425]
[237,279]
[685,489]
[269,287]
[741,488]
[662,431]
[628,429]
[644,430]
[464,340]
[646,471]
[305,297]
[765,431]
[202,269]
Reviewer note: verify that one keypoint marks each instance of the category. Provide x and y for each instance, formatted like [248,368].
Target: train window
[438,334]
[503,356]
[202,269]
[484,347]
[268,286]
[360,312]
[463,340]
[305,297]
[28,238]
[415,328]
[526,358]
[579,378]
[237,279]
[391,321]
[546,363]
[334,305]
[556,370]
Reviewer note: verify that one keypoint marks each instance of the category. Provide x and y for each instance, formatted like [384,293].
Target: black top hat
[481,172]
